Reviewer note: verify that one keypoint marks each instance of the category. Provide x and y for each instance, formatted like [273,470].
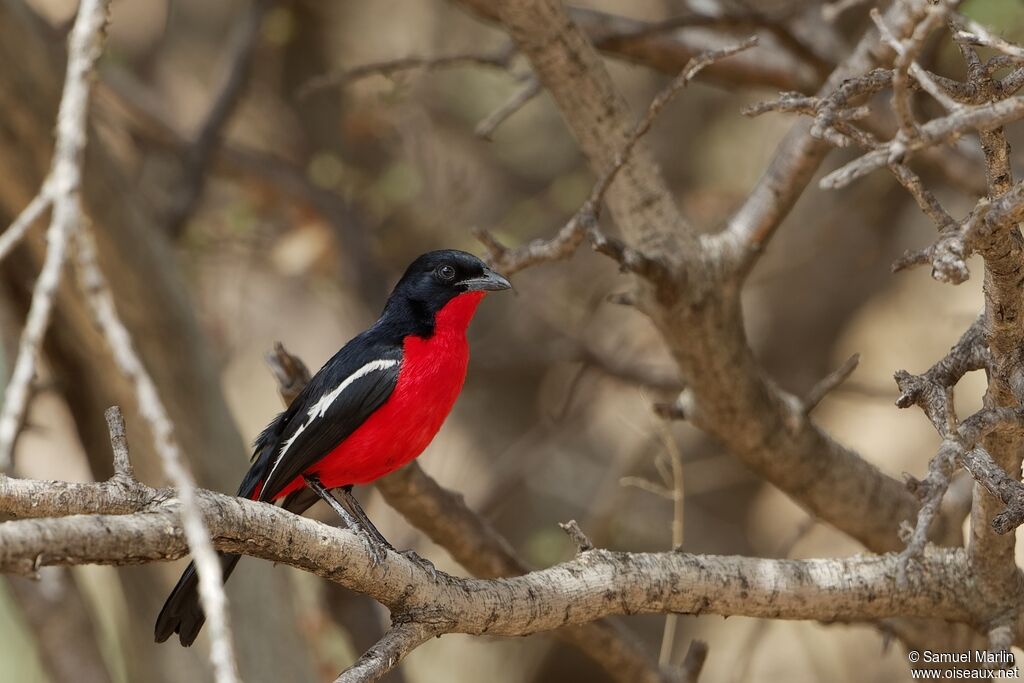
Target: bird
[372,408]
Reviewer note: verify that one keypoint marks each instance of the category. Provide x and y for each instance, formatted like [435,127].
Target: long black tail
[182,613]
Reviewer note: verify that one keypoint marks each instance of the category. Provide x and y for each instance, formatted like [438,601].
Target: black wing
[339,398]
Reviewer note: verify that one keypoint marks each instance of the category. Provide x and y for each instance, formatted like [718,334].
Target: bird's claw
[377,552]
[424,564]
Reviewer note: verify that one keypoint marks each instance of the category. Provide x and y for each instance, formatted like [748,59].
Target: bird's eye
[446,272]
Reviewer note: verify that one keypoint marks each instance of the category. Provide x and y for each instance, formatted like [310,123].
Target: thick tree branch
[595,584]
[599,118]
[728,396]
[661,47]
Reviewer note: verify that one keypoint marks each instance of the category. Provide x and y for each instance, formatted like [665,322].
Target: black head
[437,277]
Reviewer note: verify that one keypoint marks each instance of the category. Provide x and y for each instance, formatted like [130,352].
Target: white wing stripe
[320,408]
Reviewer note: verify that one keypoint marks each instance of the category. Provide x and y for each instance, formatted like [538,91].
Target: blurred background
[310,211]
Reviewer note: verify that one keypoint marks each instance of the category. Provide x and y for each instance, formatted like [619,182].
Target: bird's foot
[424,564]
[377,551]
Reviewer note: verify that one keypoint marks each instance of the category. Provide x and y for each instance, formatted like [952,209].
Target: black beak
[488,282]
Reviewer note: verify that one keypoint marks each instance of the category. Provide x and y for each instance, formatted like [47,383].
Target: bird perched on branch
[371,409]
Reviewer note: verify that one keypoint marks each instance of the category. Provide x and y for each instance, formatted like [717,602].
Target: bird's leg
[351,521]
[353,506]
[313,482]
[357,510]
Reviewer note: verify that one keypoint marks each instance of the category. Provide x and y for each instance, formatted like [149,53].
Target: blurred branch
[13,234]
[197,155]
[829,382]
[529,90]
[155,304]
[499,60]
[693,662]
[660,46]
[65,633]
[831,11]
[61,190]
[211,586]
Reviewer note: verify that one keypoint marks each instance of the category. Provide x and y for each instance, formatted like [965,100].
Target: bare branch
[575,533]
[595,584]
[659,46]
[693,662]
[119,442]
[904,66]
[62,185]
[928,391]
[947,255]
[976,34]
[211,588]
[397,642]
[829,382]
[29,215]
[833,10]
[802,151]
[497,60]
[289,371]
[924,198]
[200,151]
[485,129]
[934,132]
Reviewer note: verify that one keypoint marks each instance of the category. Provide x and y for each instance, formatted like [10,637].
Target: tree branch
[61,189]
[203,146]
[595,584]
[397,642]
[211,586]
[699,315]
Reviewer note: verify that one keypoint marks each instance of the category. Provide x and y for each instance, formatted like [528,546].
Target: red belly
[431,377]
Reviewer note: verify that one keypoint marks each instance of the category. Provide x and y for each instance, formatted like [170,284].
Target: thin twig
[976,34]
[197,156]
[935,132]
[119,443]
[499,60]
[583,223]
[62,184]
[28,216]
[829,382]
[668,636]
[485,129]
[400,640]
[832,11]
[574,532]
[100,300]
